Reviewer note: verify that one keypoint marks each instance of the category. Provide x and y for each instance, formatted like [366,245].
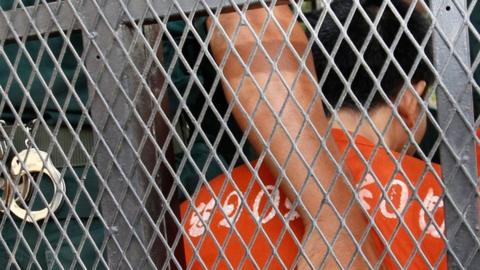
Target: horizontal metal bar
[16,22]
[46,17]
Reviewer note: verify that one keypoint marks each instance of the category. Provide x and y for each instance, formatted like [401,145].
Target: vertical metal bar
[120,206]
[164,180]
[455,111]
[108,64]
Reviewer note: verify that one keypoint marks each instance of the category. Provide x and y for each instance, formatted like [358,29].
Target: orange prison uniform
[275,243]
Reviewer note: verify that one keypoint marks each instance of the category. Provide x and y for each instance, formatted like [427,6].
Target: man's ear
[409,108]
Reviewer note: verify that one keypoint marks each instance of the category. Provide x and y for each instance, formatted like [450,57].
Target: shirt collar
[341,136]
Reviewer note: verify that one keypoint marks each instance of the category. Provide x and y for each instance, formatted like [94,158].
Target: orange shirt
[407,188]
[252,224]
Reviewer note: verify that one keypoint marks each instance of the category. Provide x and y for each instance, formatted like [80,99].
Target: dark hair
[375,56]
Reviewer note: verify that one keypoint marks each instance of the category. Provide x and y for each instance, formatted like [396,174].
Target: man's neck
[352,121]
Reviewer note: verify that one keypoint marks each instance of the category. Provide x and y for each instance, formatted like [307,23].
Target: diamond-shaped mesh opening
[192,134]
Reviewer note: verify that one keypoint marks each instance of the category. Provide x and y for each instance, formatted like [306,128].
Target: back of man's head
[404,45]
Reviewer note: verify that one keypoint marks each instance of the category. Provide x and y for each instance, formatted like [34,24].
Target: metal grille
[129,105]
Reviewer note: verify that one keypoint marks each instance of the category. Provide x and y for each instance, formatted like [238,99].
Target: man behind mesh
[400,193]
[382,111]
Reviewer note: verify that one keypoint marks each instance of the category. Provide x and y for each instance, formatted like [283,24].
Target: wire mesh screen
[249,134]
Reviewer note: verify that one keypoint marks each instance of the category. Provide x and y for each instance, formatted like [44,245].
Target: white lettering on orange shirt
[393,196]
[258,199]
[430,203]
[197,221]
[230,209]
[364,193]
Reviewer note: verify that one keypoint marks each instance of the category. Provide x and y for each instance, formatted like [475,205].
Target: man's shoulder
[364,157]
